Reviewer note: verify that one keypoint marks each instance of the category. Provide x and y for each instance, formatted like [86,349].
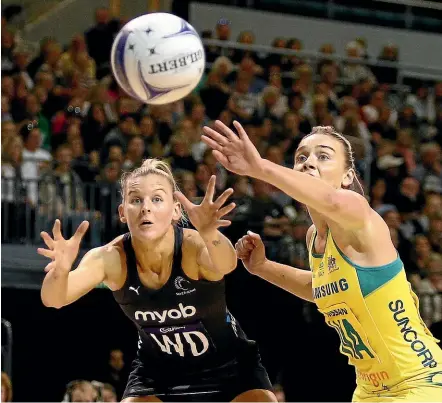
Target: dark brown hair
[349,157]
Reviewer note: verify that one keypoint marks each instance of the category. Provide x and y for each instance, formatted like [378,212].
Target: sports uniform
[190,346]
[376,315]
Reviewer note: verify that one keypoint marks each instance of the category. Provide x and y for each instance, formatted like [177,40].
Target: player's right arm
[62,286]
[250,249]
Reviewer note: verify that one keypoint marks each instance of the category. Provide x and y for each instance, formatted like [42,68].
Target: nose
[146,207]
[309,163]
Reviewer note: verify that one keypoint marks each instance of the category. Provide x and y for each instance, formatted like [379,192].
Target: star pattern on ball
[131,46]
[148,31]
[152,51]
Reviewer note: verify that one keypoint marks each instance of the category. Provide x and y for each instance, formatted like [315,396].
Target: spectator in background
[430,164]
[384,74]
[106,197]
[354,70]
[116,372]
[83,164]
[33,111]
[242,103]
[99,40]
[6,388]
[80,391]
[291,63]
[214,95]
[135,153]
[77,58]
[8,130]
[246,38]
[430,291]
[180,154]
[272,104]
[38,61]
[108,393]
[21,56]
[35,159]
[95,128]
[62,195]
[7,44]
[19,193]
[187,184]
[6,110]
[120,135]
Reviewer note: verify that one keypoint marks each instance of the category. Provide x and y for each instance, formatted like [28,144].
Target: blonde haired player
[169,281]
[357,279]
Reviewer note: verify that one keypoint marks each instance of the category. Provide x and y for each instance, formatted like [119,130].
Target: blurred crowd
[68,132]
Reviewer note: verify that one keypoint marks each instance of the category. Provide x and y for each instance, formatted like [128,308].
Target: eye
[301,158]
[323,157]
[157,199]
[136,200]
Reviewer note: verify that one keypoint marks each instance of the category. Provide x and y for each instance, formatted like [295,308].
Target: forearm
[55,288]
[220,251]
[295,281]
[306,189]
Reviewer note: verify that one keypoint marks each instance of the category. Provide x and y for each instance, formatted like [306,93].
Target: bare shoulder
[110,256]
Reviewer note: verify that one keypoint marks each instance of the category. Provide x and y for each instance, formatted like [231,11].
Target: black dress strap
[131,261]
[177,253]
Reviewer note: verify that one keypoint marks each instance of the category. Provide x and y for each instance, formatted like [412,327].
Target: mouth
[146,223]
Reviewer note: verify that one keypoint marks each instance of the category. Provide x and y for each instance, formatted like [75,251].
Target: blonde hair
[6,383]
[152,166]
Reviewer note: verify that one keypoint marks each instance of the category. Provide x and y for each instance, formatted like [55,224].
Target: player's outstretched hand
[250,249]
[235,152]
[62,251]
[207,216]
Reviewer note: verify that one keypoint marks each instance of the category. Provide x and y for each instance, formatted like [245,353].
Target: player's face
[149,208]
[323,157]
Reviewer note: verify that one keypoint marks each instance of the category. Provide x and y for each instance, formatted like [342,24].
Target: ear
[348,178]
[121,214]
[177,214]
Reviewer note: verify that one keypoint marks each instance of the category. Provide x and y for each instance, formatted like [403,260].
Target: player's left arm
[215,254]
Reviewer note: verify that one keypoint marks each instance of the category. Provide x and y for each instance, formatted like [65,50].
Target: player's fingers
[253,236]
[49,266]
[56,230]
[81,230]
[47,240]
[216,136]
[185,202]
[211,143]
[46,253]
[226,131]
[226,210]
[223,223]
[223,198]
[208,197]
[241,132]
[221,158]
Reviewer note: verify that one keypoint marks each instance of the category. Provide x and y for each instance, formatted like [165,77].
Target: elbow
[233,265]
[51,303]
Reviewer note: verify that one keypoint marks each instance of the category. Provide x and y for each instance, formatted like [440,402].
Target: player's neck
[155,256]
